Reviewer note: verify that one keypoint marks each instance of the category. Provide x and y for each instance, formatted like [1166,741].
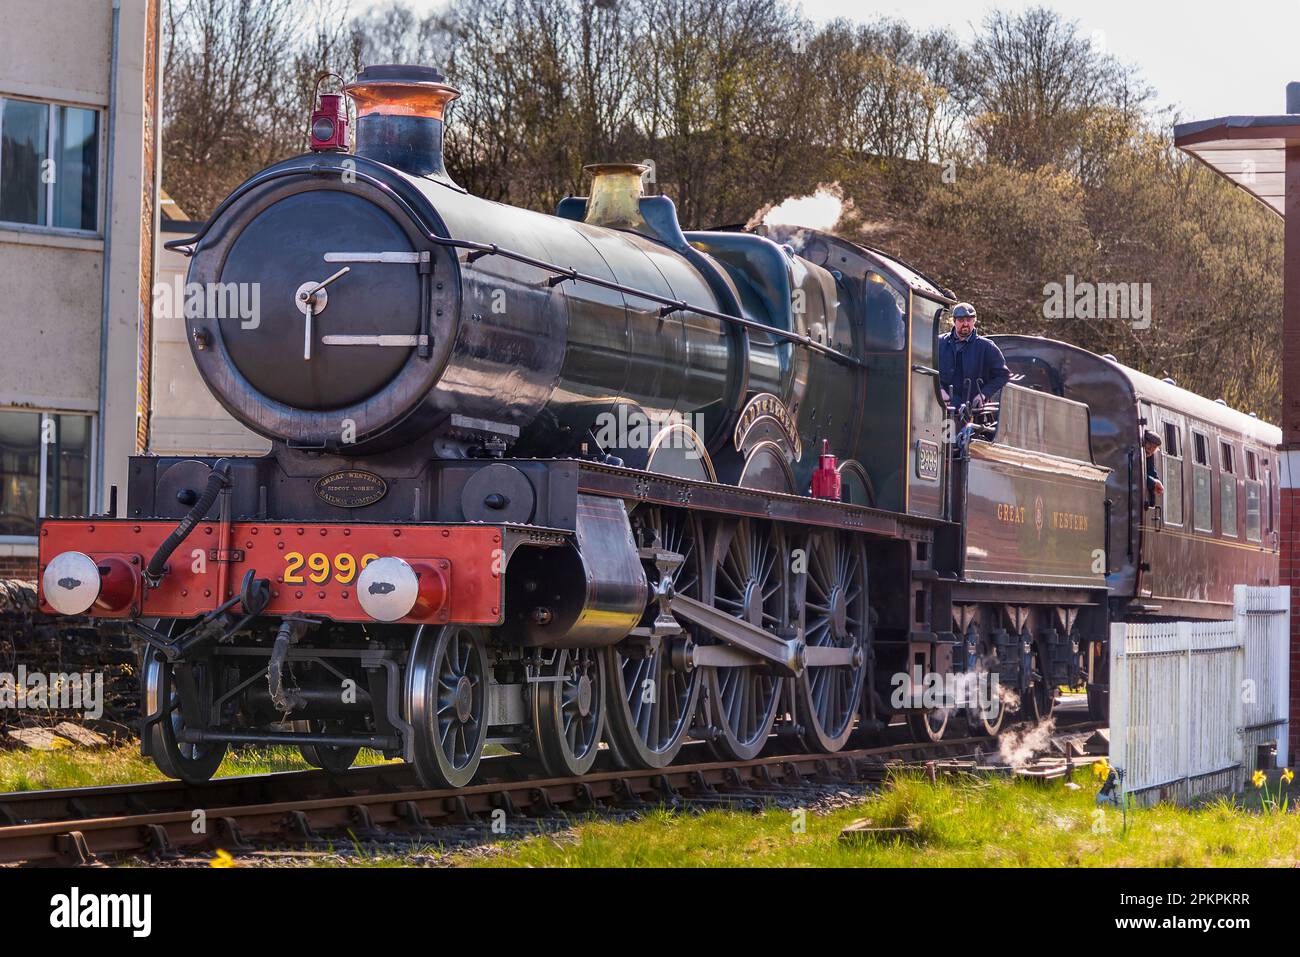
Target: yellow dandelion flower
[223,859]
[1288,775]
[1258,779]
[1101,769]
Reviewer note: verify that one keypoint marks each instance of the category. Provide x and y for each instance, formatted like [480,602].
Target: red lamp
[329,120]
[826,477]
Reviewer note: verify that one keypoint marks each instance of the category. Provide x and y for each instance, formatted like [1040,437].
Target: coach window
[1172,461]
[1202,517]
[1268,495]
[1227,490]
[1254,504]
[49,165]
[44,469]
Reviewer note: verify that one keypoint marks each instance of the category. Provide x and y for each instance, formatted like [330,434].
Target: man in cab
[971,368]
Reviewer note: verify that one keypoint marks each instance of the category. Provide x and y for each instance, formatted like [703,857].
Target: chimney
[615,199]
[1293,97]
[400,117]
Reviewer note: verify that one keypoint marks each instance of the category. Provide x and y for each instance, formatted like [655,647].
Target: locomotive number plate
[927,459]
[351,488]
[320,568]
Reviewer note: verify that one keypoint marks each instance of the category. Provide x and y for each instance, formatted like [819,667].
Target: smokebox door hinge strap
[425,267]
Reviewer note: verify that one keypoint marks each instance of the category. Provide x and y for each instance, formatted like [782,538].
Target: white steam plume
[822,210]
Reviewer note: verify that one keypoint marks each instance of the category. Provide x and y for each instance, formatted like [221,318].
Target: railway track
[384,804]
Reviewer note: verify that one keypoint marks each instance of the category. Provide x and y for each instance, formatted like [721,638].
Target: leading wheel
[836,615]
[332,758]
[192,763]
[651,702]
[750,576]
[446,704]
[569,711]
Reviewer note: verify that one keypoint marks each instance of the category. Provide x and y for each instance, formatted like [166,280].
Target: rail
[383,802]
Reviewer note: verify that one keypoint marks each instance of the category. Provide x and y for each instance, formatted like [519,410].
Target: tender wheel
[192,763]
[651,703]
[569,712]
[979,718]
[750,581]
[929,726]
[446,704]
[1040,700]
[329,758]
[836,614]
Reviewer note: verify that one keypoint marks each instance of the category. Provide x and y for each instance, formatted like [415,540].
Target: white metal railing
[1190,702]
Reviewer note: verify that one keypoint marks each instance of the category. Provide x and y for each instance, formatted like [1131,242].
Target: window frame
[1253,480]
[1201,442]
[1172,429]
[1228,474]
[43,467]
[101,157]
[1266,507]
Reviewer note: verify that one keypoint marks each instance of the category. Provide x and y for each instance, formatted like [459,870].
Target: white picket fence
[1191,702]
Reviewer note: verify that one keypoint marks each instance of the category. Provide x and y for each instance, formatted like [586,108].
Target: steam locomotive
[587,483]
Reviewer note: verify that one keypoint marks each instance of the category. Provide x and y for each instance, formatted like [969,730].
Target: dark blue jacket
[976,359]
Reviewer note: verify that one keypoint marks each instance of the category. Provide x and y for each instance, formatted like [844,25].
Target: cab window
[886,314]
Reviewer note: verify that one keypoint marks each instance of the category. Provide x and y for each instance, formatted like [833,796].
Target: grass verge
[80,767]
[955,823]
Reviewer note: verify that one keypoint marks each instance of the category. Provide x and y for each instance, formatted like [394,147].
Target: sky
[1204,59]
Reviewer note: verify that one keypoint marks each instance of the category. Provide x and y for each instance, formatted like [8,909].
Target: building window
[49,165]
[44,468]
